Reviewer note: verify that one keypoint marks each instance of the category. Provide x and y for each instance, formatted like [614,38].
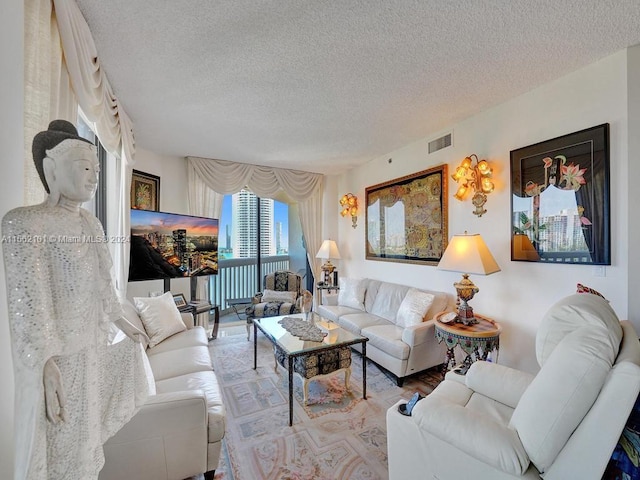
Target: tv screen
[169,245]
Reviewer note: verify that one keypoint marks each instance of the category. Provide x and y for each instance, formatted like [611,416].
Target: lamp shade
[328,249]
[468,254]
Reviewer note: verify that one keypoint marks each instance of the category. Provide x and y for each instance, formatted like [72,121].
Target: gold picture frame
[406,218]
[145,191]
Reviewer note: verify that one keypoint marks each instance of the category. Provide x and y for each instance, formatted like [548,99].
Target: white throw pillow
[278,296]
[352,292]
[413,308]
[160,317]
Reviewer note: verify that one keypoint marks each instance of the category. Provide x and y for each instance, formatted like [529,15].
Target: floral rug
[338,435]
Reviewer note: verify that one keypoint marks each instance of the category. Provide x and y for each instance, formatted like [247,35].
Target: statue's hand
[54,396]
[129,330]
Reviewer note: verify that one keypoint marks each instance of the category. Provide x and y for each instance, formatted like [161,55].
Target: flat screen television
[169,245]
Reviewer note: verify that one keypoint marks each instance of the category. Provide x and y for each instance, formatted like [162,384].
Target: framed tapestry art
[145,191]
[407,218]
[560,199]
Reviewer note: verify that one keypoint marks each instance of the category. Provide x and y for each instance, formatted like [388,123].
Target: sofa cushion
[388,300]
[413,308]
[194,337]
[160,317]
[207,382]
[571,313]
[387,338]
[179,362]
[352,291]
[355,322]
[333,312]
[562,393]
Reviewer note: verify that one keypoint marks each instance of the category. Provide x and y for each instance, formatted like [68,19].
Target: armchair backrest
[579,348]
[283,281]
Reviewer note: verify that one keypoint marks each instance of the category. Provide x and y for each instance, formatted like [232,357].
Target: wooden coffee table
[332,349]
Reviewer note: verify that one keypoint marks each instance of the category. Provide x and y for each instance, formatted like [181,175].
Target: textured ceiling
[326,85]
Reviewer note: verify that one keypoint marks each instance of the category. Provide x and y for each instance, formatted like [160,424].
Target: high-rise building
[278,235]
[244,238]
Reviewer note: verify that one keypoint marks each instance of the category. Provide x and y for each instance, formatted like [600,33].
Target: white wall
[633,85]
[173,199]
[520,294]
[11,194]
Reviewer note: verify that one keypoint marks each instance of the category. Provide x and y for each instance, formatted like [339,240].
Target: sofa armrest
[187,319]
[478,436]
[503,384]
[417,334]
[164,415]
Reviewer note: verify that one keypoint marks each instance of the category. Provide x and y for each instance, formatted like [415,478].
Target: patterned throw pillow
[584,289]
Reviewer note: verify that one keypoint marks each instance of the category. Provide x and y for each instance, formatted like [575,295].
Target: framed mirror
[560,205]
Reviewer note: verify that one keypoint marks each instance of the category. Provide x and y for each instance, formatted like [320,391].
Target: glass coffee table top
[335,337]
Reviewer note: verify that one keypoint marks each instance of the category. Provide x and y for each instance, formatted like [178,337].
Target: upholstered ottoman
[316,364]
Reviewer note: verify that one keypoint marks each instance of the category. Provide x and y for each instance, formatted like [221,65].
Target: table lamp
[467,254]
[328,250]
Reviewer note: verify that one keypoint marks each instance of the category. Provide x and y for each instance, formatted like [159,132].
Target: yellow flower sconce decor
[475,177]
[349,204]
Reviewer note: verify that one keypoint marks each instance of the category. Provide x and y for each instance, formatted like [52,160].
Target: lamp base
[465,314]
[466,290]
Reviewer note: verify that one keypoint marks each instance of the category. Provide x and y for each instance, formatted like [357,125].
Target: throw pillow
[352,292]
[584,289]
[413,308]
[160,317]
[278,296]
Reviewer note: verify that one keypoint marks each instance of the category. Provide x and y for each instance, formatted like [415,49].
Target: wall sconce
[349,202]
[474,177]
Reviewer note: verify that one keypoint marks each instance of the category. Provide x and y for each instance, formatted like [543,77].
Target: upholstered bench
[317,364]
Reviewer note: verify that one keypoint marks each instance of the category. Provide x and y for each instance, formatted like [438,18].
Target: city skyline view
[280,215]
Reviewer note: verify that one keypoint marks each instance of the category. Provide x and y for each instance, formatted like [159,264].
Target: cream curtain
[223,177]
[98,102]
[203,202]
[47,88]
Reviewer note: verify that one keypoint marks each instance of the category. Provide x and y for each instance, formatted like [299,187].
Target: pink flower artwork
[573,175]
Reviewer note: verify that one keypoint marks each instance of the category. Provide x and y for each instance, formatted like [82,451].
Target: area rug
[338,435]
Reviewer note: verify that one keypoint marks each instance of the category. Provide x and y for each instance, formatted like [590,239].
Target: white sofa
[374,309]
[497,423]
[178,432]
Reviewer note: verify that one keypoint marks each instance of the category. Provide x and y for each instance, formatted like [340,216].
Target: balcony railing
[237,277]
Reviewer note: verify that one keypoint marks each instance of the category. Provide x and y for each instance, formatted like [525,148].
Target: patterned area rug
[337,436]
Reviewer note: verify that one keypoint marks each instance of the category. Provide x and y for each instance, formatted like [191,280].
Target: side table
[321,288]
[197,307]
[483,336]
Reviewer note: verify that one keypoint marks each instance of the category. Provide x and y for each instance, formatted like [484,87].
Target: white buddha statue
[73,388]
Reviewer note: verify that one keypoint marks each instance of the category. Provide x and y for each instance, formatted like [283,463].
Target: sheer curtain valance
[230,177]
[225,178]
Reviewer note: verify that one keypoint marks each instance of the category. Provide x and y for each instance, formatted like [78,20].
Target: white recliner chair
[499,423]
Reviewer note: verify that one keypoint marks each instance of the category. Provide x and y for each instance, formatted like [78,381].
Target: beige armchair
[282,294]
[499,423]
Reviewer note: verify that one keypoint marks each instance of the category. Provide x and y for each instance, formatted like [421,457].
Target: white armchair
[499,423]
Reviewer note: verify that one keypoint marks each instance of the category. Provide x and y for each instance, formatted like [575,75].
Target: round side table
[475,340]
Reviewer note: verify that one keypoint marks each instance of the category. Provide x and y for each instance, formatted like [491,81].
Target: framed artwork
[145,191]
[560,206]
[407,218]
[180,300]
